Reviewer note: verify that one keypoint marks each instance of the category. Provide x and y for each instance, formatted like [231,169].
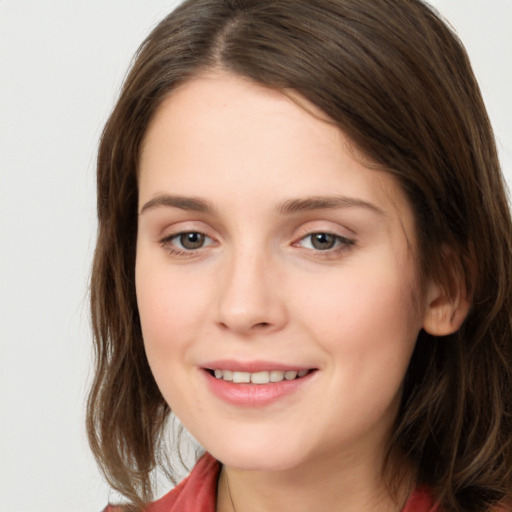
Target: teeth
[276,376]
[258,377]
[240,377]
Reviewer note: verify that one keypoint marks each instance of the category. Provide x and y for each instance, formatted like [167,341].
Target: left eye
[323,241]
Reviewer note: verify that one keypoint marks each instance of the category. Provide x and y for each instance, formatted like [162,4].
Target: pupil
[192,240]
[323,241]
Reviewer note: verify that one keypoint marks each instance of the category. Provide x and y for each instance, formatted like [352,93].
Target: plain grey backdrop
[61,65]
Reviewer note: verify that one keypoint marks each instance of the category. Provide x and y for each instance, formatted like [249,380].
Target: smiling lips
[261,377]
[255,385]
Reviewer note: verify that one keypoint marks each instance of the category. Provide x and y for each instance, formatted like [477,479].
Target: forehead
[222,111]
[222,136]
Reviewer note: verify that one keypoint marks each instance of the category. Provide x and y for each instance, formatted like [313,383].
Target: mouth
[256,384]
[260,377]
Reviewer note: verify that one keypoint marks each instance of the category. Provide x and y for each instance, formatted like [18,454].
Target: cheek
[363,298]
[366,318]
[175,309]
[167,306]
[170,307]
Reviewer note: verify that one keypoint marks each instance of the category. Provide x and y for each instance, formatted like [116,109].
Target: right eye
[186,241]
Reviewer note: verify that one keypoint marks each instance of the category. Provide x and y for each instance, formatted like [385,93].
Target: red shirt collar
[198,492]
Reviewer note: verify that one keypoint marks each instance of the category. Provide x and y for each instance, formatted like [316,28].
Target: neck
[339,486]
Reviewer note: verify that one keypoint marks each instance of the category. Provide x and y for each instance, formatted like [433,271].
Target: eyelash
[341,244]
[167,243]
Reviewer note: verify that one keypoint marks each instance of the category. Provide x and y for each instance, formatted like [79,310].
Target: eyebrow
[325,203]
[183,203]
[288,207]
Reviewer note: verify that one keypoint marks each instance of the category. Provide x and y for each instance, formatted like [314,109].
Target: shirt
[198,493]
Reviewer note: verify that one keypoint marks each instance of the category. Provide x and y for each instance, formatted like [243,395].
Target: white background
[61,65]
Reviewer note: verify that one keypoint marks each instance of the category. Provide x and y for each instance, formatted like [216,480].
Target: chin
[257,455]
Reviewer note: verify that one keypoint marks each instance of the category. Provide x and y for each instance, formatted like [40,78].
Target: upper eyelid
[333,228]
[339,237]
[177,234]
[187,226]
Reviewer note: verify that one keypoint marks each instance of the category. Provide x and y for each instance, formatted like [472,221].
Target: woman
[304,251]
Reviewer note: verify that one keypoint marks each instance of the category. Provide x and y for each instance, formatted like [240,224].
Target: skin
[258,289]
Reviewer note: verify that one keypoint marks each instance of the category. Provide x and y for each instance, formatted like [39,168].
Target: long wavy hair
[398,82]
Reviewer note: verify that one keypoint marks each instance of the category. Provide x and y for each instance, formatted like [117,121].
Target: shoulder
[198,491]
[421,500]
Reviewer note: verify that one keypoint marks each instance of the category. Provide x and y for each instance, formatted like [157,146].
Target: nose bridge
[249,298]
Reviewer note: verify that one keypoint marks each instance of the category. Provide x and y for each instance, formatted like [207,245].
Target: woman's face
[266,252]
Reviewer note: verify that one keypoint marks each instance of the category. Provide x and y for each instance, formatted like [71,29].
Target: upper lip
[252,366]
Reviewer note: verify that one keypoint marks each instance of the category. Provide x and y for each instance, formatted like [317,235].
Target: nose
[250,298]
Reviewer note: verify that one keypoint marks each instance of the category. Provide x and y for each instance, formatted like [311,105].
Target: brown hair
[398,82]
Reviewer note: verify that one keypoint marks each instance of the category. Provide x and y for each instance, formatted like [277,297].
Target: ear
[446,310]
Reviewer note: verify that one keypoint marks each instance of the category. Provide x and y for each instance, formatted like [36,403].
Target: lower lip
[254,395]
